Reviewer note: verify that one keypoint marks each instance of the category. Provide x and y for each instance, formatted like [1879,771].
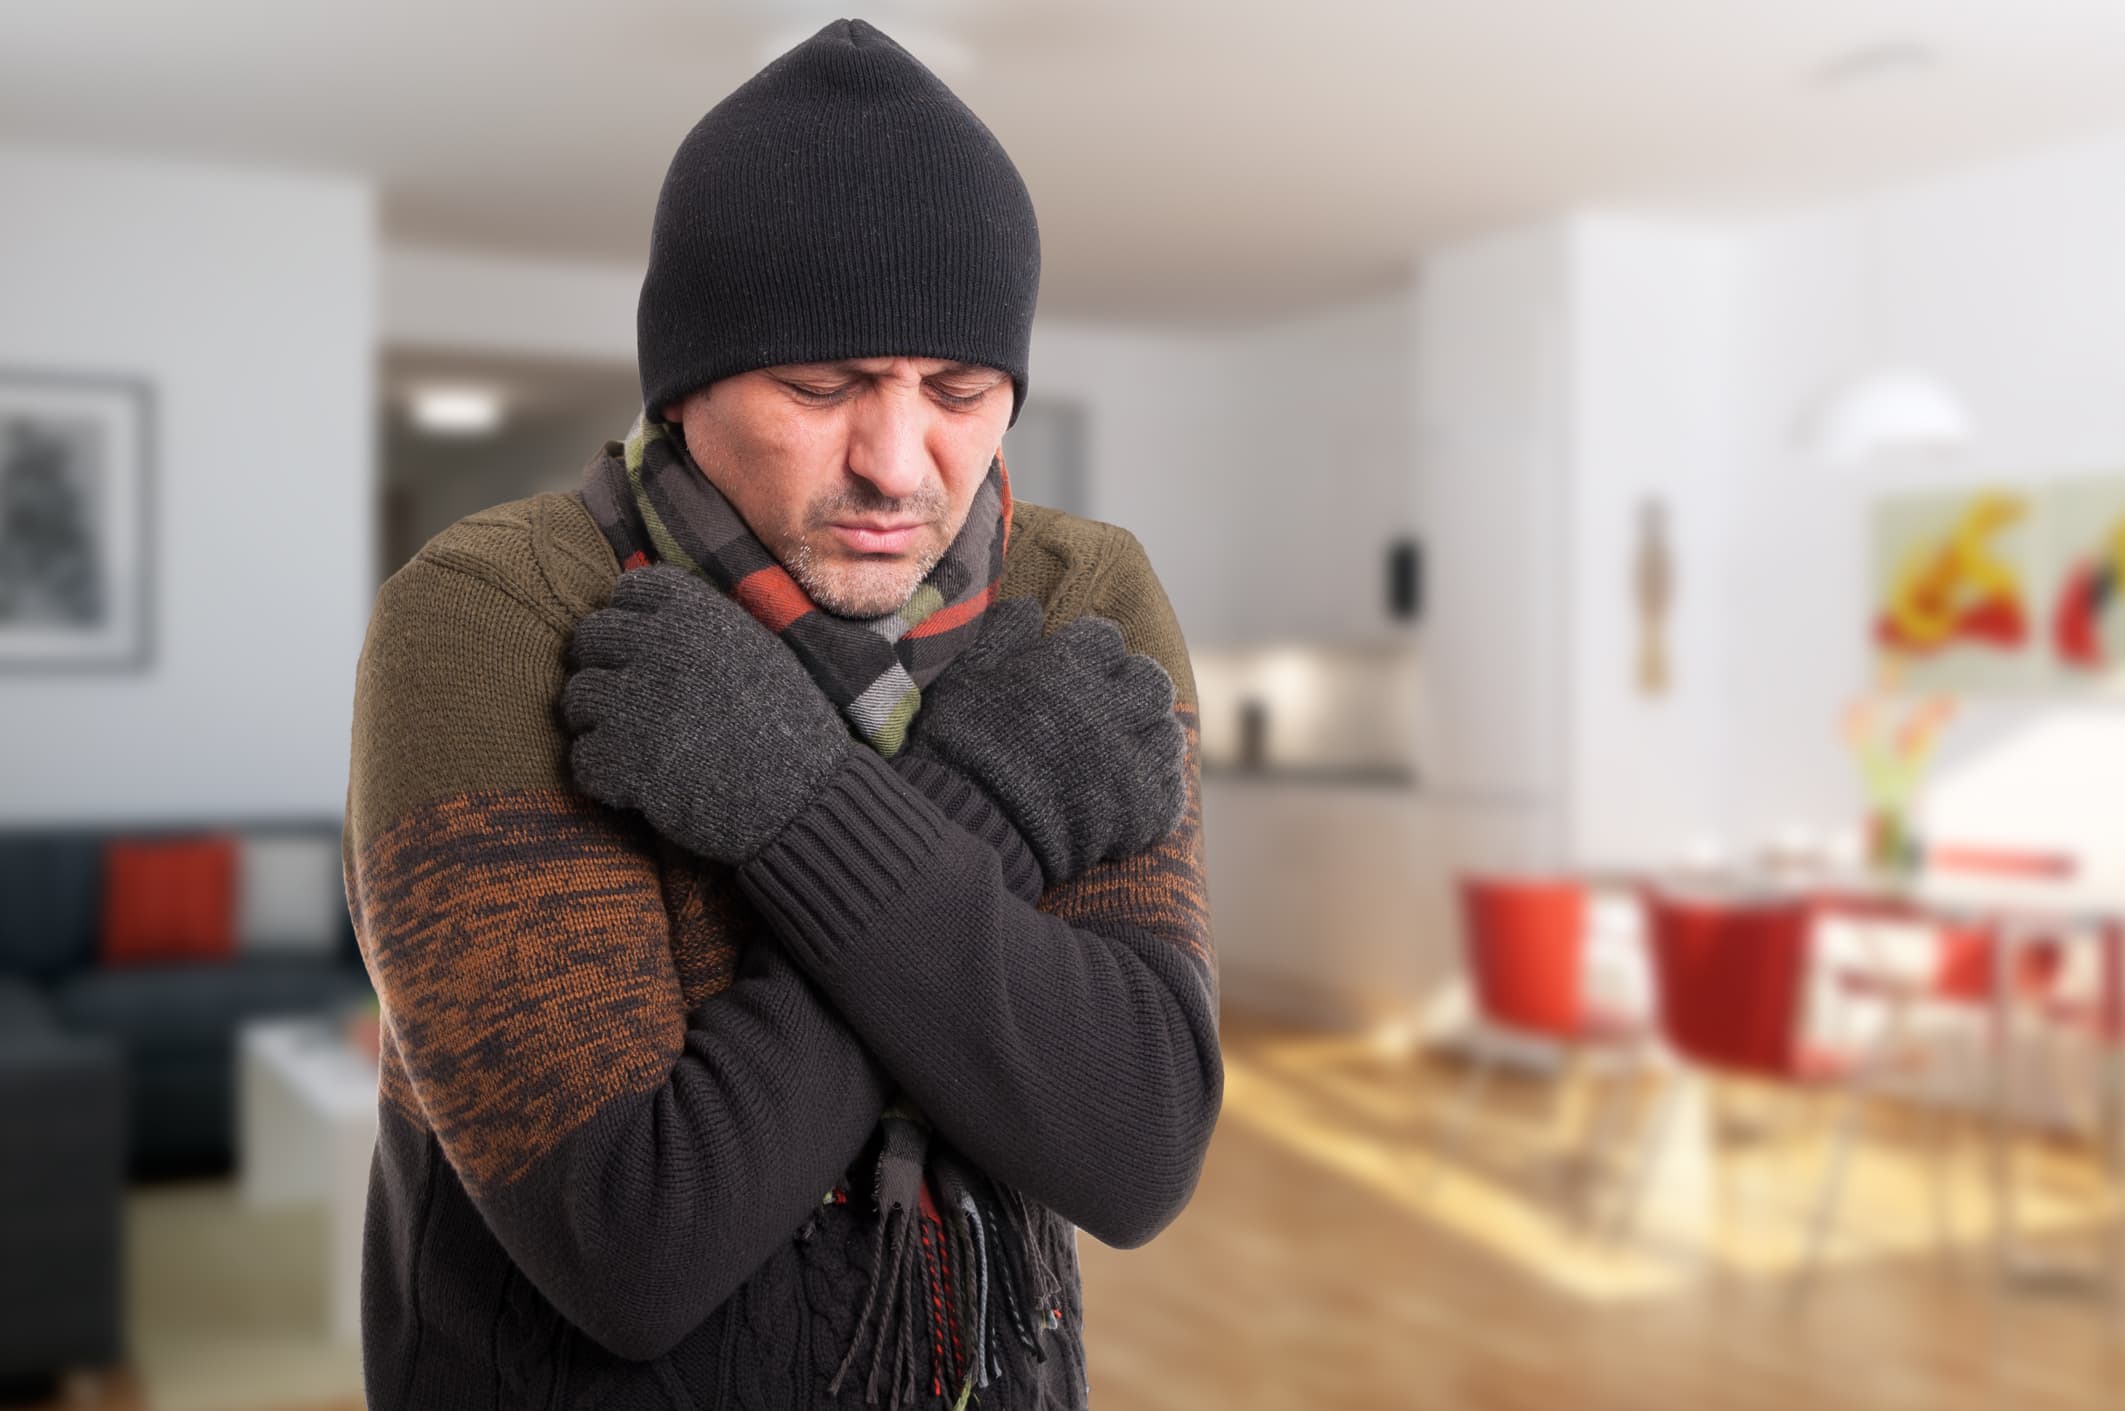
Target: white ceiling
[1188,161]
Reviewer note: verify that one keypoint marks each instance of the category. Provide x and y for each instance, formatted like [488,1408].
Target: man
[779,860]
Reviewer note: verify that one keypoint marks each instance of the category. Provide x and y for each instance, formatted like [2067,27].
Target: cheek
[775,468]
[964,451]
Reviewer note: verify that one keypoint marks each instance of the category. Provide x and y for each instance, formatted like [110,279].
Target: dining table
[2018,905]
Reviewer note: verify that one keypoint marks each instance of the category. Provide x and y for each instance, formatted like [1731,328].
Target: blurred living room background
[1644,488]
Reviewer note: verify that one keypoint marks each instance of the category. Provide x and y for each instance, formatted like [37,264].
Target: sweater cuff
[969,805]
[846,858]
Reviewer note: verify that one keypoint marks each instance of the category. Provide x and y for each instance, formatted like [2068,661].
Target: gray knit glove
[1072,734]
[685,707]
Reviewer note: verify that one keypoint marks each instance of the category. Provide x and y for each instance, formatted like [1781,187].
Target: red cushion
[169,900]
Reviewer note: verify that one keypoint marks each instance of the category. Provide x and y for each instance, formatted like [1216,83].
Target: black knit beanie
[842,203]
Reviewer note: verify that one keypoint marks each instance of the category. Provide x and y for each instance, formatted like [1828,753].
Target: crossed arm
[1070,1048]
[637,1158]
[1067,1044]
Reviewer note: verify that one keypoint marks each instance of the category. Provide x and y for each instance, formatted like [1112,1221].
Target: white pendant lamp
[1889,410]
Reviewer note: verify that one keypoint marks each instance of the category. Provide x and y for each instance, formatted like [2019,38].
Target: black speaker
[1405,580]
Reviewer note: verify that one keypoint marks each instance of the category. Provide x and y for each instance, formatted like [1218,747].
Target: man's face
[855,474]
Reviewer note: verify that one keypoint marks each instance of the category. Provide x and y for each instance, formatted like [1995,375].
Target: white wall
[2008,282]
[1265,468]
[1653,349]
[1157,457]
[1318,475]
[455,301]
[1489,383]
[246,299]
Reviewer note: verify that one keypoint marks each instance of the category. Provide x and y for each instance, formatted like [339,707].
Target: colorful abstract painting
[2084,604]
[2003,588]
[1955,601]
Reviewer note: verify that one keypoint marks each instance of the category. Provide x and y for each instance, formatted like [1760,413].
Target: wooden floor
[1320,1268]
[1315,1270]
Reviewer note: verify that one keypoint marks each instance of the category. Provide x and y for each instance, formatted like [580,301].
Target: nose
[886,437]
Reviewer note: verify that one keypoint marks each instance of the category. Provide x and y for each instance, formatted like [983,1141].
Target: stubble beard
[859,588]
[862,586]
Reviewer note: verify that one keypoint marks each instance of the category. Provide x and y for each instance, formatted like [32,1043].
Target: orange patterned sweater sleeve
[637,1143]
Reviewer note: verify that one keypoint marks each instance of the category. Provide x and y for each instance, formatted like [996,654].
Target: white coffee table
[306,1131]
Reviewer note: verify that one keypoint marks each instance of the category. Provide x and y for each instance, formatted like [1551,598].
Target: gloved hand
[1072,734]
[684,706]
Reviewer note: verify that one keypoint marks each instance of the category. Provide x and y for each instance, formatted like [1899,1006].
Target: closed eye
[962,399]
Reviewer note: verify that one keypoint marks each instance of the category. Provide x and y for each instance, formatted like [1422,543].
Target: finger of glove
[679,626]
[691,608]
[1160,740]
[1007,627]
[1154,803]
[609,637]
[601,763]
[1086,644]
[1141,687]
[591,697]
[651,588]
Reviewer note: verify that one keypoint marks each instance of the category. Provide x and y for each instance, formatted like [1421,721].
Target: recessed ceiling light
[456,410]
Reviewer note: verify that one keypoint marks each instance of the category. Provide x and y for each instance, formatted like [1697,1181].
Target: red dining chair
[1967,968]
[1524,940]
[1732,977]
[1969,962]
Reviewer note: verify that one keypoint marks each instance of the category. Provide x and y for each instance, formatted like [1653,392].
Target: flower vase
[1891,848]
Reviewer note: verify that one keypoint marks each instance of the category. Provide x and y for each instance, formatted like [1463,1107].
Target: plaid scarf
[655,503]
[948,1240]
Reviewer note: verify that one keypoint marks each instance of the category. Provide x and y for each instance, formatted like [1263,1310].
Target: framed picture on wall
[1954,602]
[2084,584]
[76,565]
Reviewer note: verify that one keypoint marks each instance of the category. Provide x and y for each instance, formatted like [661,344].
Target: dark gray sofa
[110,1074]
[175,1025]
[62,1162]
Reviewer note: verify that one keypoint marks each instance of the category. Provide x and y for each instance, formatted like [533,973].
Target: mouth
[878,538]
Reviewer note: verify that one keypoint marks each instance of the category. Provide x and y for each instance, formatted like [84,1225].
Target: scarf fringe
[954,1282]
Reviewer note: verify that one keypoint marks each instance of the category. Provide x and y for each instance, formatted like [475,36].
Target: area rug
[225,1304]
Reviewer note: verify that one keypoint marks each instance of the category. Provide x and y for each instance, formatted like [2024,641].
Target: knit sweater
[623,1156]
